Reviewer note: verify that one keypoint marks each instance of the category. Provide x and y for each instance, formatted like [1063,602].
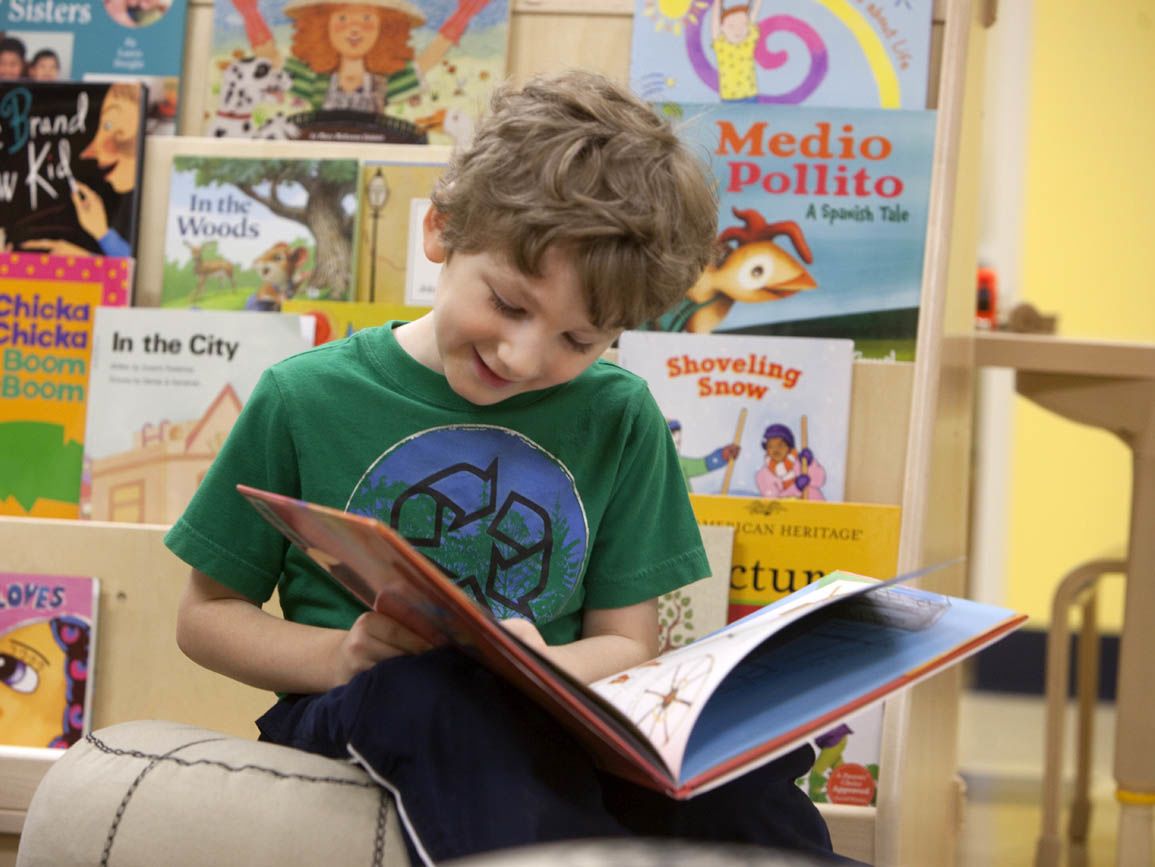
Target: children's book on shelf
[165,389]
[785,52]
[248,234]
[822,223]
[88,40]
[70,156]
[699,715]
[404,71]
[47,307]
[394,198]
[337,319]
[751,415]
[47,654]
[782,546]
[697,609]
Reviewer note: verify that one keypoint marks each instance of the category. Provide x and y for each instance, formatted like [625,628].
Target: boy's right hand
[372,638]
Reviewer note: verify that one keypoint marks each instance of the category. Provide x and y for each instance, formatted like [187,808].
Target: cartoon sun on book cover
[394,198]
[251,233]
[786,52]
[751,416]
[47,306]
[47,650]
[406,71]
[69,167]
[822,223]
[165,389]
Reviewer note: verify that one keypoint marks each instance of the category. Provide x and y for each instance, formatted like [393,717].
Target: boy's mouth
[485,373]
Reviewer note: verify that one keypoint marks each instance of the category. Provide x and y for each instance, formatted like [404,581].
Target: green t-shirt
[540,506]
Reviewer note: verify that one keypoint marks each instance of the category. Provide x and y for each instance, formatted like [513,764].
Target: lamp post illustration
[377,193]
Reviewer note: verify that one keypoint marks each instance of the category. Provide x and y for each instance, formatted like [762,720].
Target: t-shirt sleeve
[220,533]
[648,542]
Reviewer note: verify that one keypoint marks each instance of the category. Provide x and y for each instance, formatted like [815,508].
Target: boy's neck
[419,340]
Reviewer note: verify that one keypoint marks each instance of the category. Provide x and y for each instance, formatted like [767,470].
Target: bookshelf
[909,443]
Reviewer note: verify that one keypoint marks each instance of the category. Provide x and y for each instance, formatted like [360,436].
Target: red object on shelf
[987,299]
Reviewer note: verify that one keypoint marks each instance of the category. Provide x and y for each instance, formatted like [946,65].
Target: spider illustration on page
[664,708]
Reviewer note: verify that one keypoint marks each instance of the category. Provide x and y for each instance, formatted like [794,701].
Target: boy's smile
[495,332]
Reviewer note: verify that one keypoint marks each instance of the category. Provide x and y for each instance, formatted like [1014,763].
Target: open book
[697,716]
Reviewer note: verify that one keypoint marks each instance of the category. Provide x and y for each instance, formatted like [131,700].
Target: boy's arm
[227,632]
[613,639]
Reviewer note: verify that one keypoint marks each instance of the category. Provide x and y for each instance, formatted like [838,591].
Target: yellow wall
[1089,256]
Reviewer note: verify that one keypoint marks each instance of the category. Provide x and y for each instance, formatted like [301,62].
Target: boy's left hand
[527,632]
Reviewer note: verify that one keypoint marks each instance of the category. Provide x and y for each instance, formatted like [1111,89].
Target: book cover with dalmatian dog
[250,234]
[403,71]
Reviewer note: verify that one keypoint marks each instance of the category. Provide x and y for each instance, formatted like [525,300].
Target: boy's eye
[502,307]
[577,345]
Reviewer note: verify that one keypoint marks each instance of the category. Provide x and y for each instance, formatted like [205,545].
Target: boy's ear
[434,246]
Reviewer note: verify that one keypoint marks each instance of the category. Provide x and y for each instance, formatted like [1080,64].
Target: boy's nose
[521,356]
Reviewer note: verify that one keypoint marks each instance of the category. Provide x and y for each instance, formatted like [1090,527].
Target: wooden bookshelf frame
[909,445]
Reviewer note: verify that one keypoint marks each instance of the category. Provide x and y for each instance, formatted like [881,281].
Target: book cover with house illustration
[100,40]
[392,267]
[822,223]
[404,71]
[248,234]
[165,390]
[782,546]
[785,52]
[70,157]
[47,307]
[752,416]
[48,650]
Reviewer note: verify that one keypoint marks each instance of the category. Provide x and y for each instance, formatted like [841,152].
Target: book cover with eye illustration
[403,71]
[70,157]
[47,308]
[822,223]
[47,655]
[250,234]
[785,52]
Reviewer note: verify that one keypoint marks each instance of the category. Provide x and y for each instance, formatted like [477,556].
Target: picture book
[751,416]
[337,319]
[782,546]
[165,389]
[70,157]
[394,198]
[47,654]
[699,715]
[697,609]
[853,53]
[247,234]
[47,306]
[91,41]
[822,223]
[403,71]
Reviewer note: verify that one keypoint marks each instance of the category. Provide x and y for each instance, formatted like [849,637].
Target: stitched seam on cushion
[187,763]
[123,805]
[383,802]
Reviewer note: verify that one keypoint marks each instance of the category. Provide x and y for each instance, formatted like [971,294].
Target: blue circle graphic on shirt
[494,510]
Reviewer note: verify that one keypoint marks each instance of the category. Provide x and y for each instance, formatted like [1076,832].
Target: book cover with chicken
[822,223]
[250,234]
[752,416]
[402,71]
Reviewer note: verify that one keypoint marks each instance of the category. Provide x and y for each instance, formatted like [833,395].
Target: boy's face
[499,332]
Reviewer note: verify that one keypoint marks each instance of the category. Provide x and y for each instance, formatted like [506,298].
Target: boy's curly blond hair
[578,162]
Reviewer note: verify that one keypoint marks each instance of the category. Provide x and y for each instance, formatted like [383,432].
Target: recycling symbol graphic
[506,524]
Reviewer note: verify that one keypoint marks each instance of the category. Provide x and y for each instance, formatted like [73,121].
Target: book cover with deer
[249,234]
[70,157]
[165,389]
[752,416]
[403,71]
[822,223]
[47,306]
[785,52]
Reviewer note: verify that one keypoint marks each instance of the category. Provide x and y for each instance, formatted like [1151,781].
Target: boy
[543,480]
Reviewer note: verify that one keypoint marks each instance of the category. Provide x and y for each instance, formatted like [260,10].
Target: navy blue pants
[476,766]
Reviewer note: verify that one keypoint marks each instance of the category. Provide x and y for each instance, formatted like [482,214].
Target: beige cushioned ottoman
[144,793]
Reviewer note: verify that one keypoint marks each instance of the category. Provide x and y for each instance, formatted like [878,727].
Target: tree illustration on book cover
[789,52]
[405,71]
[47,640]
[250,234]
